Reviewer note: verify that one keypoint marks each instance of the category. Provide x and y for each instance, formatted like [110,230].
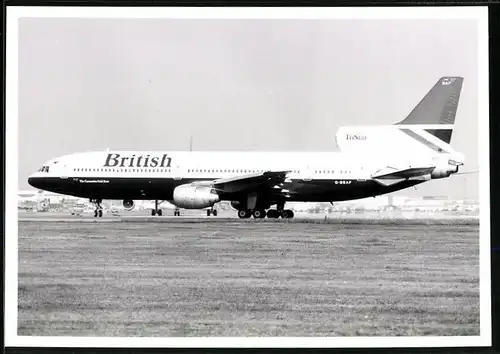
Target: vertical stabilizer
[427,129]
[436,112]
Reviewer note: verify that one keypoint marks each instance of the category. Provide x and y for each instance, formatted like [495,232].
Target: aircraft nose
[35,181]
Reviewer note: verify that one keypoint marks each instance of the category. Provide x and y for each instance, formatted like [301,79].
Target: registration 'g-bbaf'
[374,160]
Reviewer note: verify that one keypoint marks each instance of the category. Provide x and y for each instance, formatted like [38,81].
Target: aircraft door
[177,172]
[307,173]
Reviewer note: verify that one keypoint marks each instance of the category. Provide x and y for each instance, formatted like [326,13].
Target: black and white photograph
[285,177]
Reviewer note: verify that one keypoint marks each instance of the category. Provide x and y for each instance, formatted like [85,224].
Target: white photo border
[479,13]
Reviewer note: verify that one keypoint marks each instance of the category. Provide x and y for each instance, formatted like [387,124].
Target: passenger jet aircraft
[374,160]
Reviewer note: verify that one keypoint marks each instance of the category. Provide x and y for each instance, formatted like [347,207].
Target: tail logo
[448,81]
[355,137]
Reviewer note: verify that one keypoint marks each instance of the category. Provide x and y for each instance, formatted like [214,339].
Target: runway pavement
[247,279]
[230,216]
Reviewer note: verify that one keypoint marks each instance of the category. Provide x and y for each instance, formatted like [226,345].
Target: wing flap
[250,181]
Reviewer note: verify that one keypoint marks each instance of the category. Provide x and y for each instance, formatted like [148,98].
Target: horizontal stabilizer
[389,182]
[391,173]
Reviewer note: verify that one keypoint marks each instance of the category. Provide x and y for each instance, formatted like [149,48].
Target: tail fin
[436,112]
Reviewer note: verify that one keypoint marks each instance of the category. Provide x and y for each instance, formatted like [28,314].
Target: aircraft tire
[208,212]
[242,214]
[259,214]
[272,214]
[95,214]
[160,212]
[153,212]
[214,213]
[100,213]
[287,214]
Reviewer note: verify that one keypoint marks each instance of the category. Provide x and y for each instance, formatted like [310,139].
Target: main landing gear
[262,213]
[98,208]
[156,211]
[210,212]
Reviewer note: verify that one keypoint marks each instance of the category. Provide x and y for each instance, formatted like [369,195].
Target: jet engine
[194,197]
[128,204]
[444,169]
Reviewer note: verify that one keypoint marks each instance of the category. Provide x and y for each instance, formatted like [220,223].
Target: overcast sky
[148,84]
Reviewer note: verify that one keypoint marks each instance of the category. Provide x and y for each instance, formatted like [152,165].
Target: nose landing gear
[212,211]
[98,209]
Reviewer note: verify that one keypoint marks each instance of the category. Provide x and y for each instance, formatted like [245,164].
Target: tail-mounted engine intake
[445,169]
[194,197]
[128,204]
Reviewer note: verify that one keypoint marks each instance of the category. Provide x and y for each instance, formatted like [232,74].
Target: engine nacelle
[194,197]
[128,204]
[444,170]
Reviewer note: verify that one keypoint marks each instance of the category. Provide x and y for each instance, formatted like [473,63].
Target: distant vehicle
[79,209]
[373,160]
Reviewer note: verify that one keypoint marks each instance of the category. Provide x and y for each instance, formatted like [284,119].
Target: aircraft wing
[392,175]
[268,179]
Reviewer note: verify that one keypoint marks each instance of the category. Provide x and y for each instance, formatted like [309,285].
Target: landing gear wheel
[214,212]
[243,214]
[287,214]
[153,212]
[98,207]
[259,214]
[208,212]
[273,214]
[177,213]
[160,212]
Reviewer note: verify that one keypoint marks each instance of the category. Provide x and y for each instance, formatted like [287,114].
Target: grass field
[247,279]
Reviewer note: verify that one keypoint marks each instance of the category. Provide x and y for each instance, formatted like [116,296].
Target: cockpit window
[44,169]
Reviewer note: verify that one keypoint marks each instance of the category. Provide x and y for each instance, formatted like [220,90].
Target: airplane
[373,160]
